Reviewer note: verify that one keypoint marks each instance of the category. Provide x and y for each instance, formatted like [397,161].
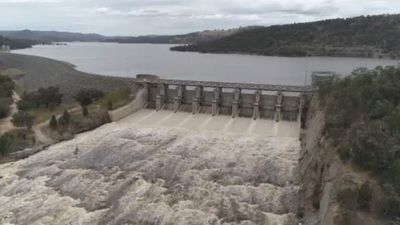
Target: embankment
[44,72]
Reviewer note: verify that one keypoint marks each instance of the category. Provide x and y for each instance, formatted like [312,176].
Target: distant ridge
[364,36]
[190,38]
[52,36]
[56,36]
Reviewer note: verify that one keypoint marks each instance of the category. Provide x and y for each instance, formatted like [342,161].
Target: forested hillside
[16,43]
[365,36]
[363,126]
[190,38]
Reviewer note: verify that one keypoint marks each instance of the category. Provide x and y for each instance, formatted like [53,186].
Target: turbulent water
[159,168]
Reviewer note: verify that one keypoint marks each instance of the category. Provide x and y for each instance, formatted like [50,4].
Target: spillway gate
[258,101]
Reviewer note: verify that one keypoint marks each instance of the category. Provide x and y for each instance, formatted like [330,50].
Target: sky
[141,17]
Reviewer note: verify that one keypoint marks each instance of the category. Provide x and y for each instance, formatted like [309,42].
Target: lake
[127,60]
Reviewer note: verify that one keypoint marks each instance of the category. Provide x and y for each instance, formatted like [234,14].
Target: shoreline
[41,72]
[280,56]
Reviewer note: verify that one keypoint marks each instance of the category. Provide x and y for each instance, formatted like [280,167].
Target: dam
[257,101]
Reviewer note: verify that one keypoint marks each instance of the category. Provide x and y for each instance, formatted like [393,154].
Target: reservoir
[127,60]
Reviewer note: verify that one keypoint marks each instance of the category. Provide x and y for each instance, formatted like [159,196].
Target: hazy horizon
[163,17]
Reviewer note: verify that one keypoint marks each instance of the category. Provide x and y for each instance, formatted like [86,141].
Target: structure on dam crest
[258,101]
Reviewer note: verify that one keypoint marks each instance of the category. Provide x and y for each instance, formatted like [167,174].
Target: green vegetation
[23,119]
[116,99]
[41,104]
[16,140]
[17,43]
[53,123]
[69,124]
[49,97]
[359,197]
[6,91]
[365,36]
[362,115]
[43,114]
[86,97]
[64,120]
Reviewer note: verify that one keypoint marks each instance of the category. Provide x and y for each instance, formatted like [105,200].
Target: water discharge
[160,168]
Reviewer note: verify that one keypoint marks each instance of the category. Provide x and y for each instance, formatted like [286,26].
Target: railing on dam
[259,101]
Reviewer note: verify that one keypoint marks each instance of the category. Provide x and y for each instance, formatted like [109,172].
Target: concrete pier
[256,101]
[278,107]
[235,103]
[256,104]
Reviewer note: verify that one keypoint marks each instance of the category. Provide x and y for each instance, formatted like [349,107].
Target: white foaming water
[160,168]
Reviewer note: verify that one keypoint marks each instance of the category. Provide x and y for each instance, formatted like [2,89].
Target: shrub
[393,206]
[364,196]
[66,116]
[4,146]
[16,140]
[109,105]
[365,107]
[347,197]
[22,119]
[86,97]
[53,122]
[4,107]
[50,96]
[6,86]
[85,111]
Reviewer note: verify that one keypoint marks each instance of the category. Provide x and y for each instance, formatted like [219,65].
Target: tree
[6,86]
[85,111]
[4,146]
[109,105]
[4,108]
[364,196]
[66,116]
[29,101]
[50,96]
[23,119]
[53,122]
[86,97]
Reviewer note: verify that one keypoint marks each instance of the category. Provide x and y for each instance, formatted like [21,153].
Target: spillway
[160,167]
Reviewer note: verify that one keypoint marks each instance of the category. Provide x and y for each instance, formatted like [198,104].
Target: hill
[51,36]
[190,38]
[56,36]
[364,36]
[16,43]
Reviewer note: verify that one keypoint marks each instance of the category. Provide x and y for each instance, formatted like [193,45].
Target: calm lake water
[130,59]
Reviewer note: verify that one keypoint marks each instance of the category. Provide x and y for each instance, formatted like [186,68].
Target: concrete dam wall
[256,101]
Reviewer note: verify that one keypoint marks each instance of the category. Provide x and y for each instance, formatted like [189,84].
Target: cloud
[134,17]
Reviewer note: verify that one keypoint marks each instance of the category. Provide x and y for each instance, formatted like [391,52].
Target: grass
[18,139]
[19,89]
[43,114]
[117,98]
